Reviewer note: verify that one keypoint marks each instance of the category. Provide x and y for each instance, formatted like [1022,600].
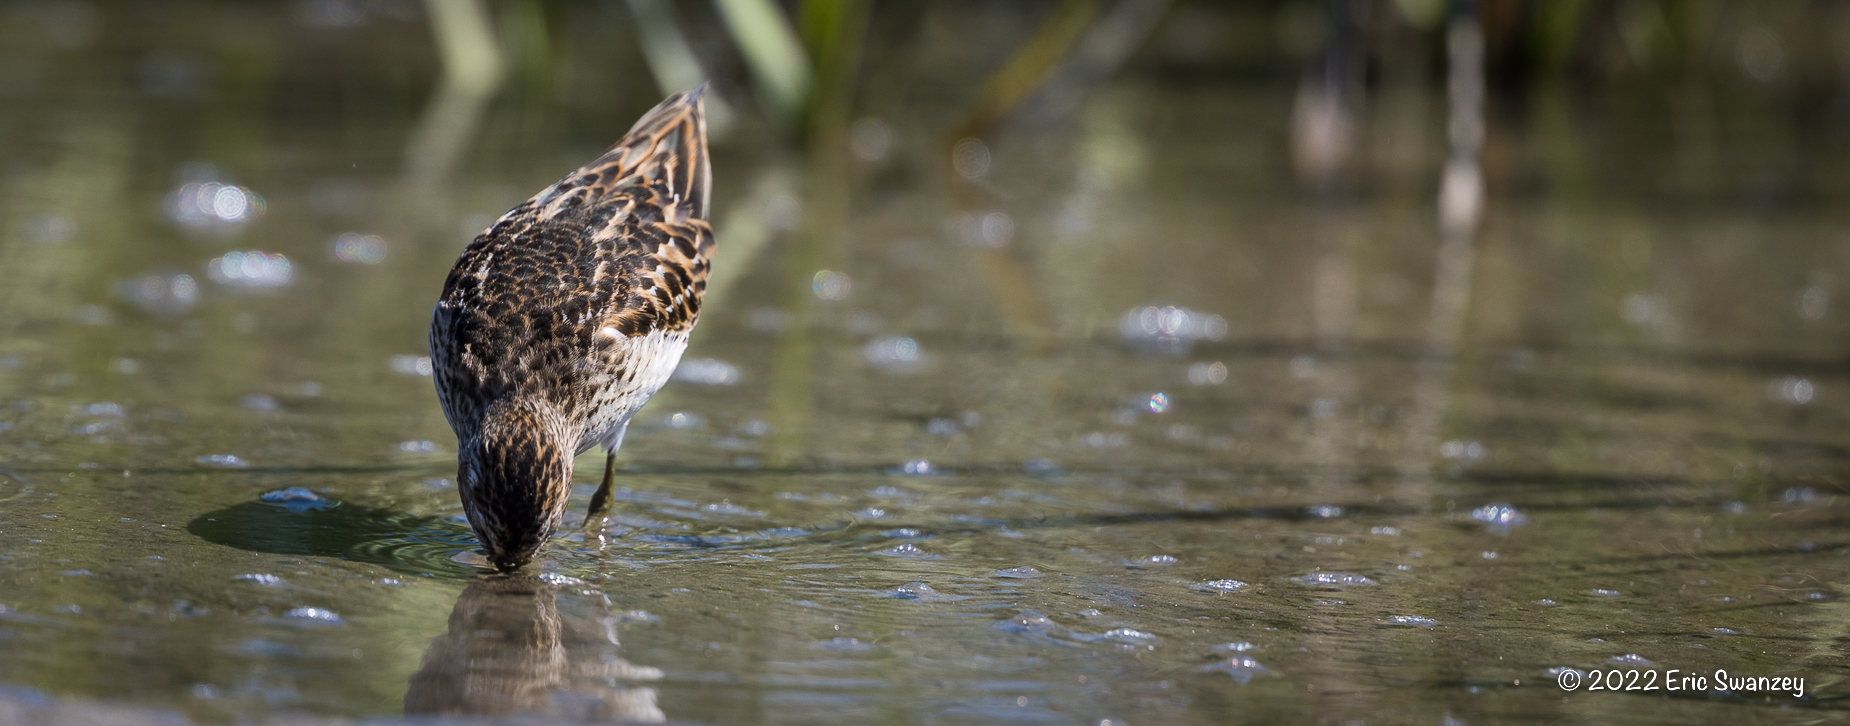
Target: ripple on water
[1130,636]
[844,645]
[1028,622]
[1331,580]
[297,499]
[921,592]
[312,617]
[1241,668]
[906,550]
[1018,573]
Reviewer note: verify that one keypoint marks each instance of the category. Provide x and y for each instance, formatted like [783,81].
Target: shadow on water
[511,650]
[404,543]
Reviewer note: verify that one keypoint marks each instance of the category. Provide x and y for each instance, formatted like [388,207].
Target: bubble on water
[313,616]
[871,139]
[361,249]
[1419,621]
[893,352]
[1735,508]
[1325,511]
[1154,561]
[843,645]
[1238,646]
[1545,602]
[411,365]
[251,269]
[1170,329]
[389,582]
[211,204]
[160,293]
[1211,373]
[1799,495]
[1462,449]
[1241,668]
[1219,586]
[1632,659]
[1323,408]
[1500,517]
[906,550]
[1793,390]
[970,158]
[915,467]
[1385,531]
[557,580]
[1019,573]
[260,578]
[1812,302]
[417,447]
[1331,579]
[831,285]
[225,460]
[707,372]
[1603,592]
[1158,403]
[1028,622]
[1726,631]
[871,513]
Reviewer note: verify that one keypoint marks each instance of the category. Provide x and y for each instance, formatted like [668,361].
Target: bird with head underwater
[563,317]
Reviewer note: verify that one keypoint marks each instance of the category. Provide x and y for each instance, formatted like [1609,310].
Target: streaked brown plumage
[564,317]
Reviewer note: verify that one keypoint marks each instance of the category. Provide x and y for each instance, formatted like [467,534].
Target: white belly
[645,364]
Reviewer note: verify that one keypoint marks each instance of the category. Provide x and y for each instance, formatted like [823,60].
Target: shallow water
[1129,431]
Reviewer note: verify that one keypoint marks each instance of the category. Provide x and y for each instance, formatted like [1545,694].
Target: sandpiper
[562,319]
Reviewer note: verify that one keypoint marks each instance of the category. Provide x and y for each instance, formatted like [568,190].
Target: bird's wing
[621,243]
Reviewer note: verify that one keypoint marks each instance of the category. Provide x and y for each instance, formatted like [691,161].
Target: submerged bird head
[515,478]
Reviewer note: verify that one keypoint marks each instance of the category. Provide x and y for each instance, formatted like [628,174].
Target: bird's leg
[599,515]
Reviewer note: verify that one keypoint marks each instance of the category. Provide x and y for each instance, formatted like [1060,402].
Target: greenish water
[1134,428]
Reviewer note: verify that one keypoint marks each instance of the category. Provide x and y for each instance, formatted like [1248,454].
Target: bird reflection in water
[509,650]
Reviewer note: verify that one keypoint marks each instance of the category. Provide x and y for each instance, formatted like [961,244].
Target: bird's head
[515,478]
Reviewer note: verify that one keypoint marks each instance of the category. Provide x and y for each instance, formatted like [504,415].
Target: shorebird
[562,319]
